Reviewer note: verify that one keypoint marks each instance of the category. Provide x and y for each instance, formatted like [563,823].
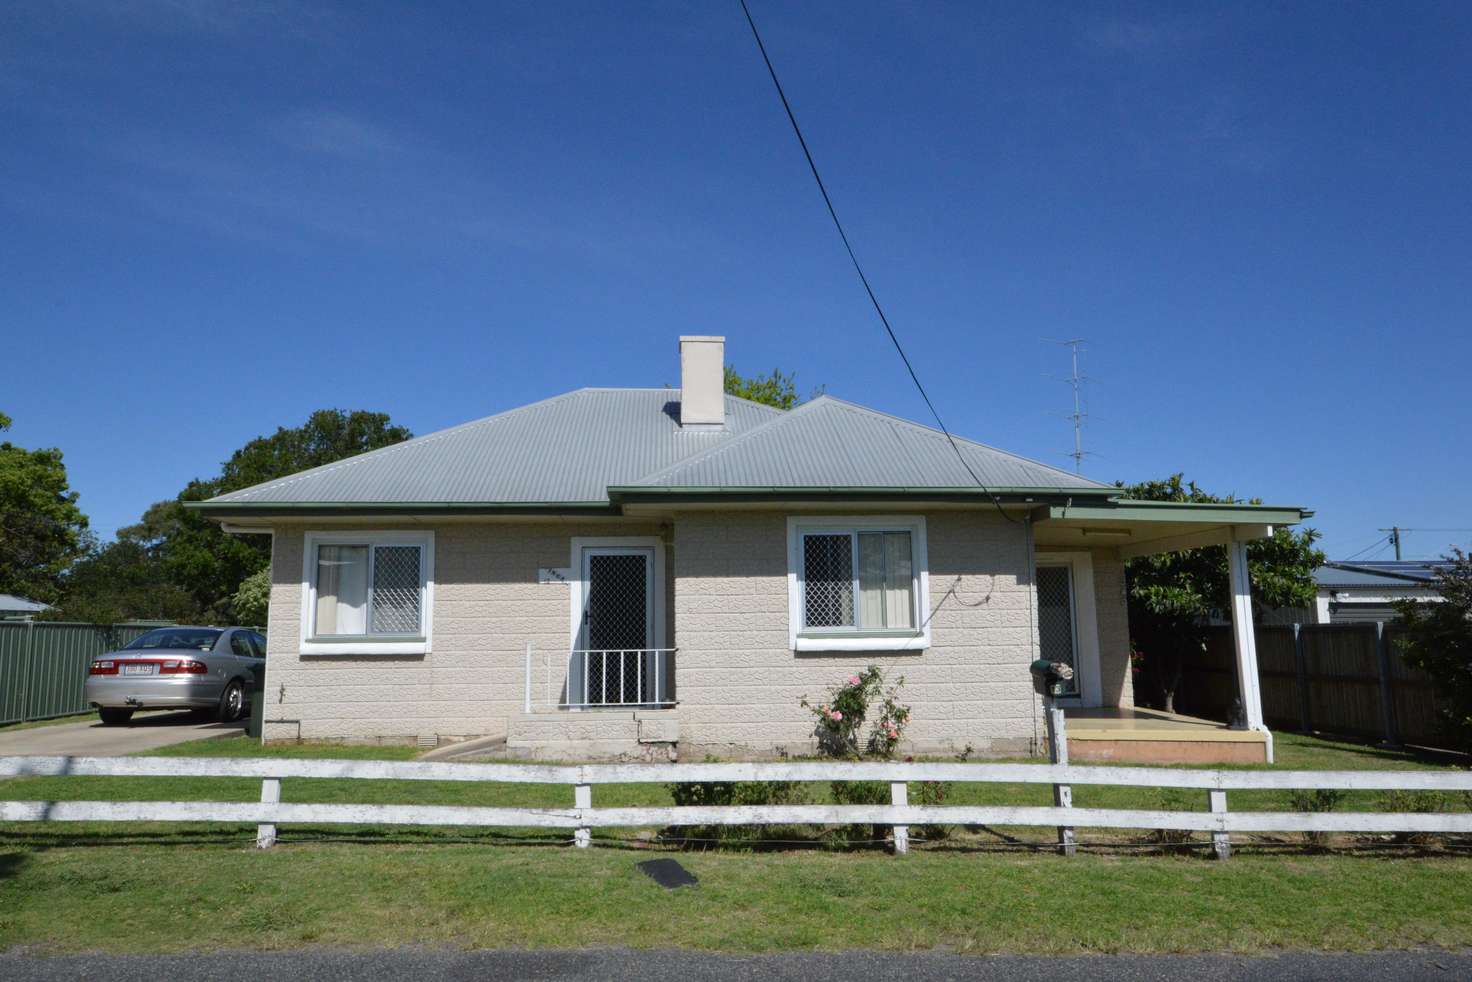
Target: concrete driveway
[144,732]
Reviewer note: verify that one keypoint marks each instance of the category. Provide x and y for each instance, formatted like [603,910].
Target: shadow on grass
[11,863]
[1336,743]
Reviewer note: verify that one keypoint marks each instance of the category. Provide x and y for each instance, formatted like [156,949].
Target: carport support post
[270,795]
[1245,639]
[1058,754]
[582,797]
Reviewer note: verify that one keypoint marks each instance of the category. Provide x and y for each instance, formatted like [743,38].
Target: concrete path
[144,732]
[402,965]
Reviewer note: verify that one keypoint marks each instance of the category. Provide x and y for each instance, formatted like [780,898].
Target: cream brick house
[645,572]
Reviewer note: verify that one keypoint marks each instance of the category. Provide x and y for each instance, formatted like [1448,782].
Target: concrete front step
[637,734]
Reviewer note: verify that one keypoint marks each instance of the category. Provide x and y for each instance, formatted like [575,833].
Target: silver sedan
[209,668]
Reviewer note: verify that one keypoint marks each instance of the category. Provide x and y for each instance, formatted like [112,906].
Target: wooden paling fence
[1332,678]
[581,817]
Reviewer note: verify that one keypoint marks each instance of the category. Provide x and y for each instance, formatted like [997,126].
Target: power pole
[1076,382]
[1395,531]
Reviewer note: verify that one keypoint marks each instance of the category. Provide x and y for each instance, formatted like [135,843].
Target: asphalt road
[144,732]
[403,965]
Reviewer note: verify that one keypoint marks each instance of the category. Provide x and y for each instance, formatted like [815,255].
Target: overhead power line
[853,257]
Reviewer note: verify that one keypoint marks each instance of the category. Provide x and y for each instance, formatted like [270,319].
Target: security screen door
[1057,631]
[618,625]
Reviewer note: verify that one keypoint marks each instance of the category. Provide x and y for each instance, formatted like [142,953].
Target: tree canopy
[777,389]
[42,531]
[1172,594]
[176,564]
[1436,637]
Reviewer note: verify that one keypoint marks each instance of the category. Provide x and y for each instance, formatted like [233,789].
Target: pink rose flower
[835,716]
[853,680]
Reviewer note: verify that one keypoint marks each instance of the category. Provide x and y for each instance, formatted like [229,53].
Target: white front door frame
[1085,624]
[578,583]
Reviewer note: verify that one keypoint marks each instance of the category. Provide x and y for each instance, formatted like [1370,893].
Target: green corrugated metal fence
[43,664]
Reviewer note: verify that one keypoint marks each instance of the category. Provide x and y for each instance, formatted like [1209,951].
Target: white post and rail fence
[581,816]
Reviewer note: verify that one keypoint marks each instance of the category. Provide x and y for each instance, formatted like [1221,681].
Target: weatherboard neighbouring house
[641,572]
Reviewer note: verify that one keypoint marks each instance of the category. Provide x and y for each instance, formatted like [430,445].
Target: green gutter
[288,509]
[1019,495]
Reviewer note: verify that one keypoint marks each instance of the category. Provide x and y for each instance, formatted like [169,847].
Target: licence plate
[137,669]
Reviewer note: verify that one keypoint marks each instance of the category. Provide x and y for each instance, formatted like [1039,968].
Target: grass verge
[155,887]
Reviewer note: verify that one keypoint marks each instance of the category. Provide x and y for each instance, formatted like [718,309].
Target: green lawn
[151,887]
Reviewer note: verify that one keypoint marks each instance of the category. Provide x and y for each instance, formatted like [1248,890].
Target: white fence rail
[582,817]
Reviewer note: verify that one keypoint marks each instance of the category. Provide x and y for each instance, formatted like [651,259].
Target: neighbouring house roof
[11,604]
[585,448]
[1391,574]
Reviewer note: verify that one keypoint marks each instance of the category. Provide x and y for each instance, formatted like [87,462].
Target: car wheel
[113,717]
[232,702]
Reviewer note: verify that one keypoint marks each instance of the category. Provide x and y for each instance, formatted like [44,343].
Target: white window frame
[801,638]
[367,644]
[1085,625]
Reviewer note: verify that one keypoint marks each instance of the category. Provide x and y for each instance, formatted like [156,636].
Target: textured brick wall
[487,605]
[739,683]
[1117,681]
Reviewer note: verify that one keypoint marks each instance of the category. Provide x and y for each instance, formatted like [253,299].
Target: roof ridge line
[934,431]
[787,414]
[418,440]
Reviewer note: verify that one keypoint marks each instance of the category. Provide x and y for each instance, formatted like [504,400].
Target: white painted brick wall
[739,684]
[487,606]
[1117,681]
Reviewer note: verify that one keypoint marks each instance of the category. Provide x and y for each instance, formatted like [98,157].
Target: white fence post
[1221,842]
[270,795]
[1062,793]
[899,795]
[582,797]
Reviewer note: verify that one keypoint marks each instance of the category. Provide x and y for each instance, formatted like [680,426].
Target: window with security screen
[857,581]
[367,586]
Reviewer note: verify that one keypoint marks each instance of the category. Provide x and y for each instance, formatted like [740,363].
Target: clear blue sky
[220,216]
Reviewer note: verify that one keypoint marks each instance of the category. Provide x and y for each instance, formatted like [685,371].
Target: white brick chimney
[702,382]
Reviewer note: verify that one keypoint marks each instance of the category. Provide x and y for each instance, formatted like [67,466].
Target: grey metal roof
[830,443]
[572,448]
[1395,574]
[569,448]
[10,602]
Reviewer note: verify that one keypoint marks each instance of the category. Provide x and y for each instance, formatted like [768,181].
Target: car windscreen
[194,638]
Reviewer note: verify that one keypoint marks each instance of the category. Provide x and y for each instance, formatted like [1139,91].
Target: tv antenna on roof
[1076,382]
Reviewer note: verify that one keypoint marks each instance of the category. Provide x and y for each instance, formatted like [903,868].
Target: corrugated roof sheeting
[573,447]
[569,448]
[832,443]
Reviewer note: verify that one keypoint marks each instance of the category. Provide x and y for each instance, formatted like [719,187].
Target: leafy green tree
[1436,637]
[253,599]
[120,581]
[190,562]
[777,389]
[42,531]
[1172,594]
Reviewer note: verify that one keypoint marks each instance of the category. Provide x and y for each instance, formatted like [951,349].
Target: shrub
[1415,803]
[840,719]
[1170,800]
[713,793]
[931,793]
[1319,800]
[1436,637]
